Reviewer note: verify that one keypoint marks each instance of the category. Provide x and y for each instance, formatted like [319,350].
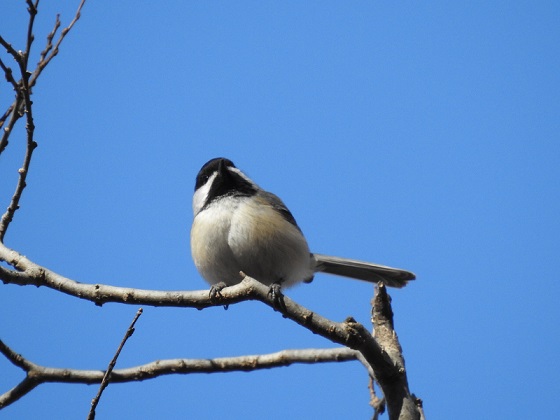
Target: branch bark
[392,377]
[37,375]
[381,353]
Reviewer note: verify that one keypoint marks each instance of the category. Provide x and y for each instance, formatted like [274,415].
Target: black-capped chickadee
[239,227]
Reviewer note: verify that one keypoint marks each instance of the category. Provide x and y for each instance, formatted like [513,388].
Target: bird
[240,229]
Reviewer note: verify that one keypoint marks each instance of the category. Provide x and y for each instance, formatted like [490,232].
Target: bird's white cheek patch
[201,195]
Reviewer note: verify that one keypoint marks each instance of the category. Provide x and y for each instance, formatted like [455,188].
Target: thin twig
[53,50]
[8,216]
[15,105]
[378,404]
[23,101]
[14,117]
[10,49]
[25,91]
[107,376]
[4,117]
[32,10]
[50,38]
[9,75]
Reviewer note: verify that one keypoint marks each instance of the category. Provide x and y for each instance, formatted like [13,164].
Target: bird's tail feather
[361,270]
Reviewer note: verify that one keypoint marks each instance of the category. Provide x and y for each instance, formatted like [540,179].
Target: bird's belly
[211,252]
[267,247]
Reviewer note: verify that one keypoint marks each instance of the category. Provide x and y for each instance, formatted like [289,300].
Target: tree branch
[32,10]
[25,386]
[51,51]
[401,404]
[378,404]
[8,216]
[23,104]
[108,372]
[37,375]
[348,333]
[15,116]
[23,90]
[50,38]
[9,75]
[9,48]
[381,353]
[9,112]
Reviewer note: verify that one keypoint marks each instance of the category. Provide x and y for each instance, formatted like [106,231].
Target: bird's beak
[222,168]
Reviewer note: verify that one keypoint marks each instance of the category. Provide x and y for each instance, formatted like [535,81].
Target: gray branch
[108,373]
[37,375]
[381,353]
[22,104]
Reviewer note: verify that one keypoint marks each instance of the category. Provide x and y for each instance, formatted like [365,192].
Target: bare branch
[25,386]
[8,216]
[16,359]
[32,10]
[378,404]
[401,404]
[9,75]
[381,353]
[50,38]
[348,333]
[41,374]
[107,376]
[21,389]
[15,116]
[51,51]
[4,117]
[10,49]
[23,99]
[24,91]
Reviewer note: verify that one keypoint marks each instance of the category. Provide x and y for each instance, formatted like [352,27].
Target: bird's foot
[216,292]
[275,293]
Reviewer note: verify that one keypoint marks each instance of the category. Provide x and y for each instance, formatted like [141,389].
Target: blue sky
[422,135]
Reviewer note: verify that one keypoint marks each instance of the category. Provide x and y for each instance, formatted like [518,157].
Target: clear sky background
[423,135]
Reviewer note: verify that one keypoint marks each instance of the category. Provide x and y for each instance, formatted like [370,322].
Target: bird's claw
[216,292]
[275,294]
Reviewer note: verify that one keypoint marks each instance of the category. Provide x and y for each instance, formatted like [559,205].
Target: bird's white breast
[245,234]
[210,250]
